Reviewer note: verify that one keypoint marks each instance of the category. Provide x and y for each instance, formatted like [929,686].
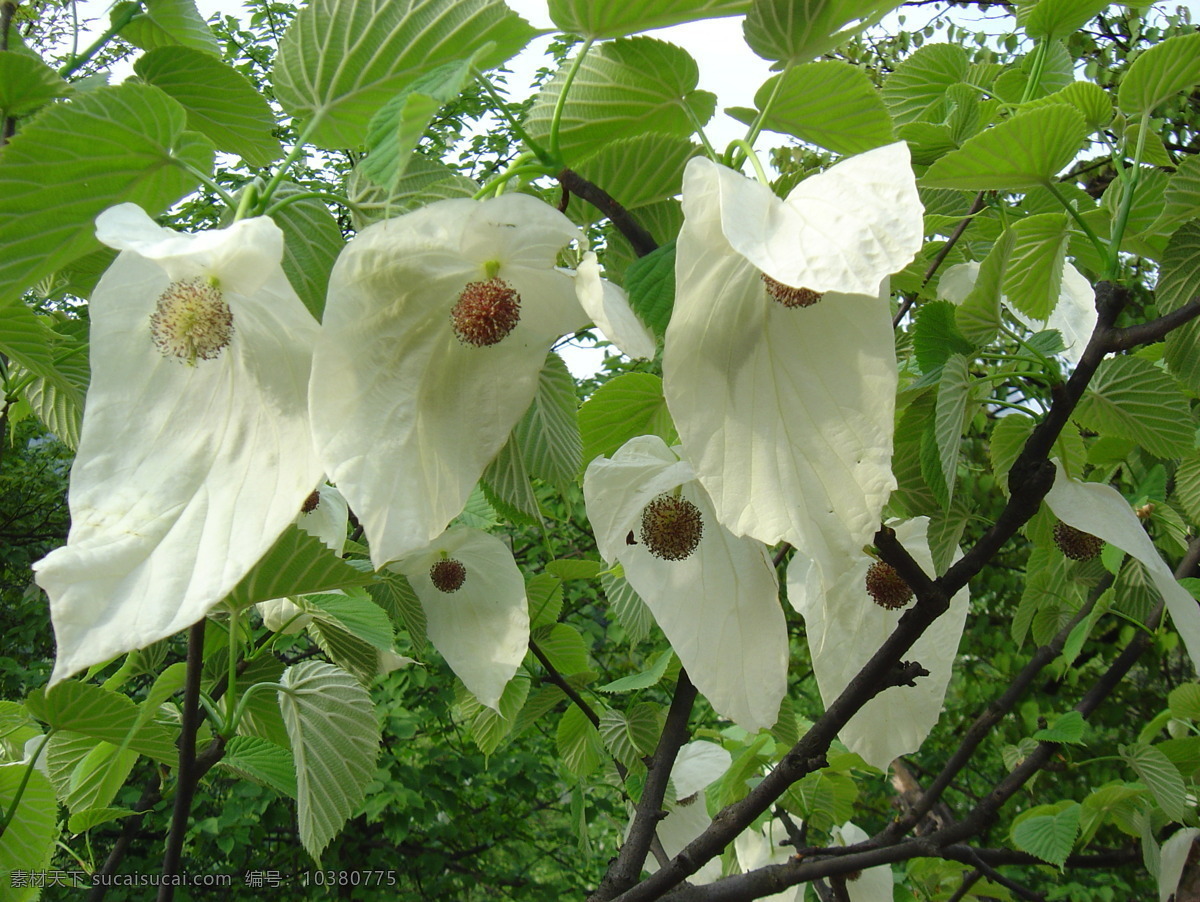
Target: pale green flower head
[779,366]
[476,613]
[196,449]
[715,595]
[436,328]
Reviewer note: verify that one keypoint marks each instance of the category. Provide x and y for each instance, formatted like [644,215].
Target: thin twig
[560,681]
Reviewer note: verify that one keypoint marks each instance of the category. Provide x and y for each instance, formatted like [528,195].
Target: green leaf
[1161,777]
[1187,486]
[544,596]
[506,485]
[1184,701]
[830,103]
[297,564]
[27,83]
[1067,729]
[1019,153]
[800,30]
[489,728]
[29,839]
[85,820]
[1181,200]
[954,389]
[262,762]
[643,680]
[331,723]
[424,181]
[978,316]
[1092,101]
[1006,443]
[563,646]
[221,103]
[74,160]
[647,166]
[312,241]
[632,734]
[613,20]
[346,650]
[1115,804]
[650,283]
[100,714]
[662,220]
[1051,19]
[631,612]
[1056,72]
[627,406]
[579,743]
[936,336]
[825,799]
[1034,272]
[622,88]
[355,613]
[25,338]
[1132,398]
[548,433]
[318,79]
[87,773]
[262,718]
[1160,73]
[1178,283]
[1050,837]
[921,81]
[168,23]
[574,568]
[393,593]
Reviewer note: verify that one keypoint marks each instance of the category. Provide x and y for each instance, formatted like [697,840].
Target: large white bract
[481,627]
[719,606]
[845,628]
[190,465]
[406,414]
[786,412]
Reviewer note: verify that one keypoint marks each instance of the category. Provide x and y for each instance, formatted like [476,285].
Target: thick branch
[641,240]
[1156,330]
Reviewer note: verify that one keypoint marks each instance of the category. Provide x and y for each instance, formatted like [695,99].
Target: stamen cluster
[486,312]
[191,321]
[671,527]
[788,296]
[448,575]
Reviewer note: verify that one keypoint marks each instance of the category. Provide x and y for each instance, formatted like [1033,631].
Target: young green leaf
[1160,73]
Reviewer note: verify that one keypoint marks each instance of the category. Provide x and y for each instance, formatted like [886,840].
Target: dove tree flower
[698,765]
[715,595]
[845,627]
[779,364]
[476,613]
[436,328]
[195,451]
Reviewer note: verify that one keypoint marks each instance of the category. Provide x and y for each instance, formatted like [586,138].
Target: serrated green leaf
[544,595]
[1113,804]
[931,467]
[331,723]
[1132,398]
[393,593]
[82,821]
[648,166]
[613,20]
[1050,837]
[262,717]
[1051,19]
[29,837]
[627,406]
[1054,72]
[548,433]
[221,103]
[424,181]
[73,160]
[87,709]
[1161,777]
[297,564]
[829,103]
[579,743]
[1067,729]
[800,30]
[1046,585]
[643,680]
[978,316]
[662,220]
[489,728]
[650,283]
[1160,73]
[27,83]
[1006,443]
[312,241]
[1184,701]
[345,649]
[631,734]
[954,389]
[921,81]
[622,88]
[506,485]
[1187,487]
[936,336]
[262,762]
[392,43]
[1092,101]
[574,568]
[357,614]
[563,646]
[1178,283]
[1019,153]
[1181,199]
[86,773]
[824,799]
[631,612]
[1034,272]
[168,23]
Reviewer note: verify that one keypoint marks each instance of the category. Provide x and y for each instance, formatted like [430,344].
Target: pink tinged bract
[1100,510]
[406,416]
[719,607]
[845,628]
[187,472]
[481,628]
[786,413]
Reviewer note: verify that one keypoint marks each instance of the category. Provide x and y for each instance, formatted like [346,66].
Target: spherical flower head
[671,527]
[886,587]
[486,312]
[1075,543]
[788,296]
[191,321]
[448,575]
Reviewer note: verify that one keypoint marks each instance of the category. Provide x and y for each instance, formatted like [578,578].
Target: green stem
[225,196]
[748,153]
[1011,406]
[547,158]
[294,154]
[561,102]
[231,727]
[518,167]
[1129,182]
[246,202]
[231,679]
[1042,360]
[698,130]
[307,195]
[8,815]
[117,680]
[1097,242]
[756,126]
[1039,66]
[214,712]
[119,22]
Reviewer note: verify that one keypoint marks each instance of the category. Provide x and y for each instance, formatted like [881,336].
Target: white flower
[759,848]
[875,884]
[437,326]
[715,596]
[845,628]
[195,452]
[1100,510]
[1172,858]
[698,765]
[1074,316]
[609,309]
[475,609]
[785,410]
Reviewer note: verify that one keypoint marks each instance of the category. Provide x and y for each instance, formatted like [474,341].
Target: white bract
[718,605]
[1172,858]
[759,848]
[609,309]
[1100,510]
[698,765]
[875,884]
[195,452]
[786,411]
[476,614]
[845,628]
[1074,315]
[437,326]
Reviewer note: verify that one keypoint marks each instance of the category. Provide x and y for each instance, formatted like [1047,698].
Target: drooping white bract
[786,411]
[698,765]
[196,449]
[437,325]
[875,884]
[845,628]
[1100,510]
[1172,858]
[759,848]
[718,605]
[1074,315]
[476,614]
[609,309]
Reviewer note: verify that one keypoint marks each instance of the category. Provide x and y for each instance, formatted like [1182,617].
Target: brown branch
[1155,330]
[641,240]
[558,680]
